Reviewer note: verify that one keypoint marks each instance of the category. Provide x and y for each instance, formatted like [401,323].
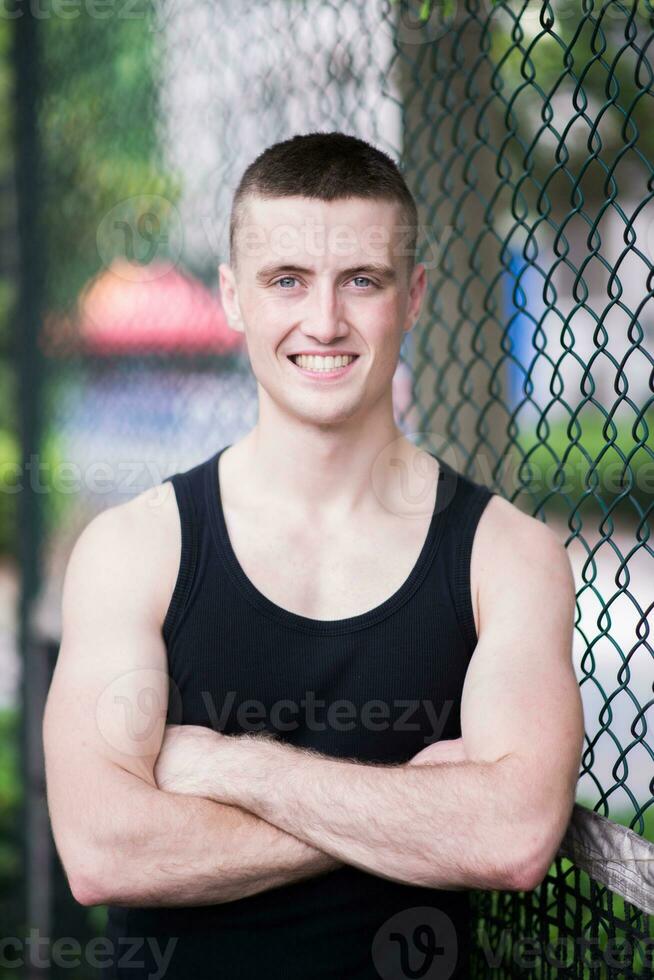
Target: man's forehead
[298,209]
[306,230]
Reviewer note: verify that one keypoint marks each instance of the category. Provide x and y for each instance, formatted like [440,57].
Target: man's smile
[323,367]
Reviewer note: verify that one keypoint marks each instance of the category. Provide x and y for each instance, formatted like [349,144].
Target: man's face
[329,277]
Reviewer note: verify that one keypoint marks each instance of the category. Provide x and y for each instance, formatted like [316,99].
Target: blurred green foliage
[50,480]
[97,120]
[10,788]
[98,126]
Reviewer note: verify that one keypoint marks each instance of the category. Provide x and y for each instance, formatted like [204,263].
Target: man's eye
[293,279]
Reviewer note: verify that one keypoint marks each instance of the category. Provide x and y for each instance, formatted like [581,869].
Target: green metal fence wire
[528,135]
[524,130]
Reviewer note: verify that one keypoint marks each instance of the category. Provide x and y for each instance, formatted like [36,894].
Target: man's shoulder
[133,522]
[140,540]
[514,547]
[516,558]
[502,523]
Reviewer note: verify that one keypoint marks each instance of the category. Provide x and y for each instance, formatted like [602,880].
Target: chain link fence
[524,130]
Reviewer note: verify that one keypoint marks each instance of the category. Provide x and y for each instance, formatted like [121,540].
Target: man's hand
[199,761]
[449,750]
[188,759]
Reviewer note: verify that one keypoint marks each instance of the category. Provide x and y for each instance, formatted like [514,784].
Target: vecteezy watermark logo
[420,942]
[314,714]
[140,230]
[298,241]
[66,952]
[72,9]
[98,476]
[404,481]
[134,707]
[132,710]
[530,953]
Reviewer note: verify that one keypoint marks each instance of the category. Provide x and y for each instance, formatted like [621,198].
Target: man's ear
[229,296]
[417,289]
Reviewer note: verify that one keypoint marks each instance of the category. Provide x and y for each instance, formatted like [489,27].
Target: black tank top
[229,644]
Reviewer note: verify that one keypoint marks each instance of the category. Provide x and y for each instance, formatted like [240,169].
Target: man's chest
[327,574]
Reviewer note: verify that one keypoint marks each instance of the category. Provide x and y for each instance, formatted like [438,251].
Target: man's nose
[325,321]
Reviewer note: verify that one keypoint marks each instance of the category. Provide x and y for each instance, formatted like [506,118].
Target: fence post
[29,176]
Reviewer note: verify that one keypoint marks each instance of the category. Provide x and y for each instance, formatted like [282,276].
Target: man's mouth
[323,366]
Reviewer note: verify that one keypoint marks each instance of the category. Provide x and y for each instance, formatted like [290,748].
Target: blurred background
[524,130]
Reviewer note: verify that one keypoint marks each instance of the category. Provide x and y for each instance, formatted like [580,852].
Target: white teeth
[315,362]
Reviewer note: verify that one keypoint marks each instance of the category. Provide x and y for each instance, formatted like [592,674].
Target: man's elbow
[85,890]
[526,875]
[92,881]
[86,886]
[528,871]
[532,841]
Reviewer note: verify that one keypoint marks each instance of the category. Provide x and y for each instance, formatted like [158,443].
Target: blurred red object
[132,309]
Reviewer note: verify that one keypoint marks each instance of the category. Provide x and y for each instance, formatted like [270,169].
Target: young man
[314,690]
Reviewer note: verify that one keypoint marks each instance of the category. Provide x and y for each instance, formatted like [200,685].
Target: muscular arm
[418,824]
[121,839]
[165,850]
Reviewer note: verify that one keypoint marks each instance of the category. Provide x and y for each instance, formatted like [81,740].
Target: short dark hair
[329,167]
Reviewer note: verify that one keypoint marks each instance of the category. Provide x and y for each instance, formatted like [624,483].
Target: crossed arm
[120,838]
[207,818]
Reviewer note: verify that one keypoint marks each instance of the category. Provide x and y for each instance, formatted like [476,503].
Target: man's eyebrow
[384,272]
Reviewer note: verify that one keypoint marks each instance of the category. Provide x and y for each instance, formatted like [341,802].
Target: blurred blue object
[523,308]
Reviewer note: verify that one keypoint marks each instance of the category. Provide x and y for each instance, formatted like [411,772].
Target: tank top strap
[465,503]
[189,493]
